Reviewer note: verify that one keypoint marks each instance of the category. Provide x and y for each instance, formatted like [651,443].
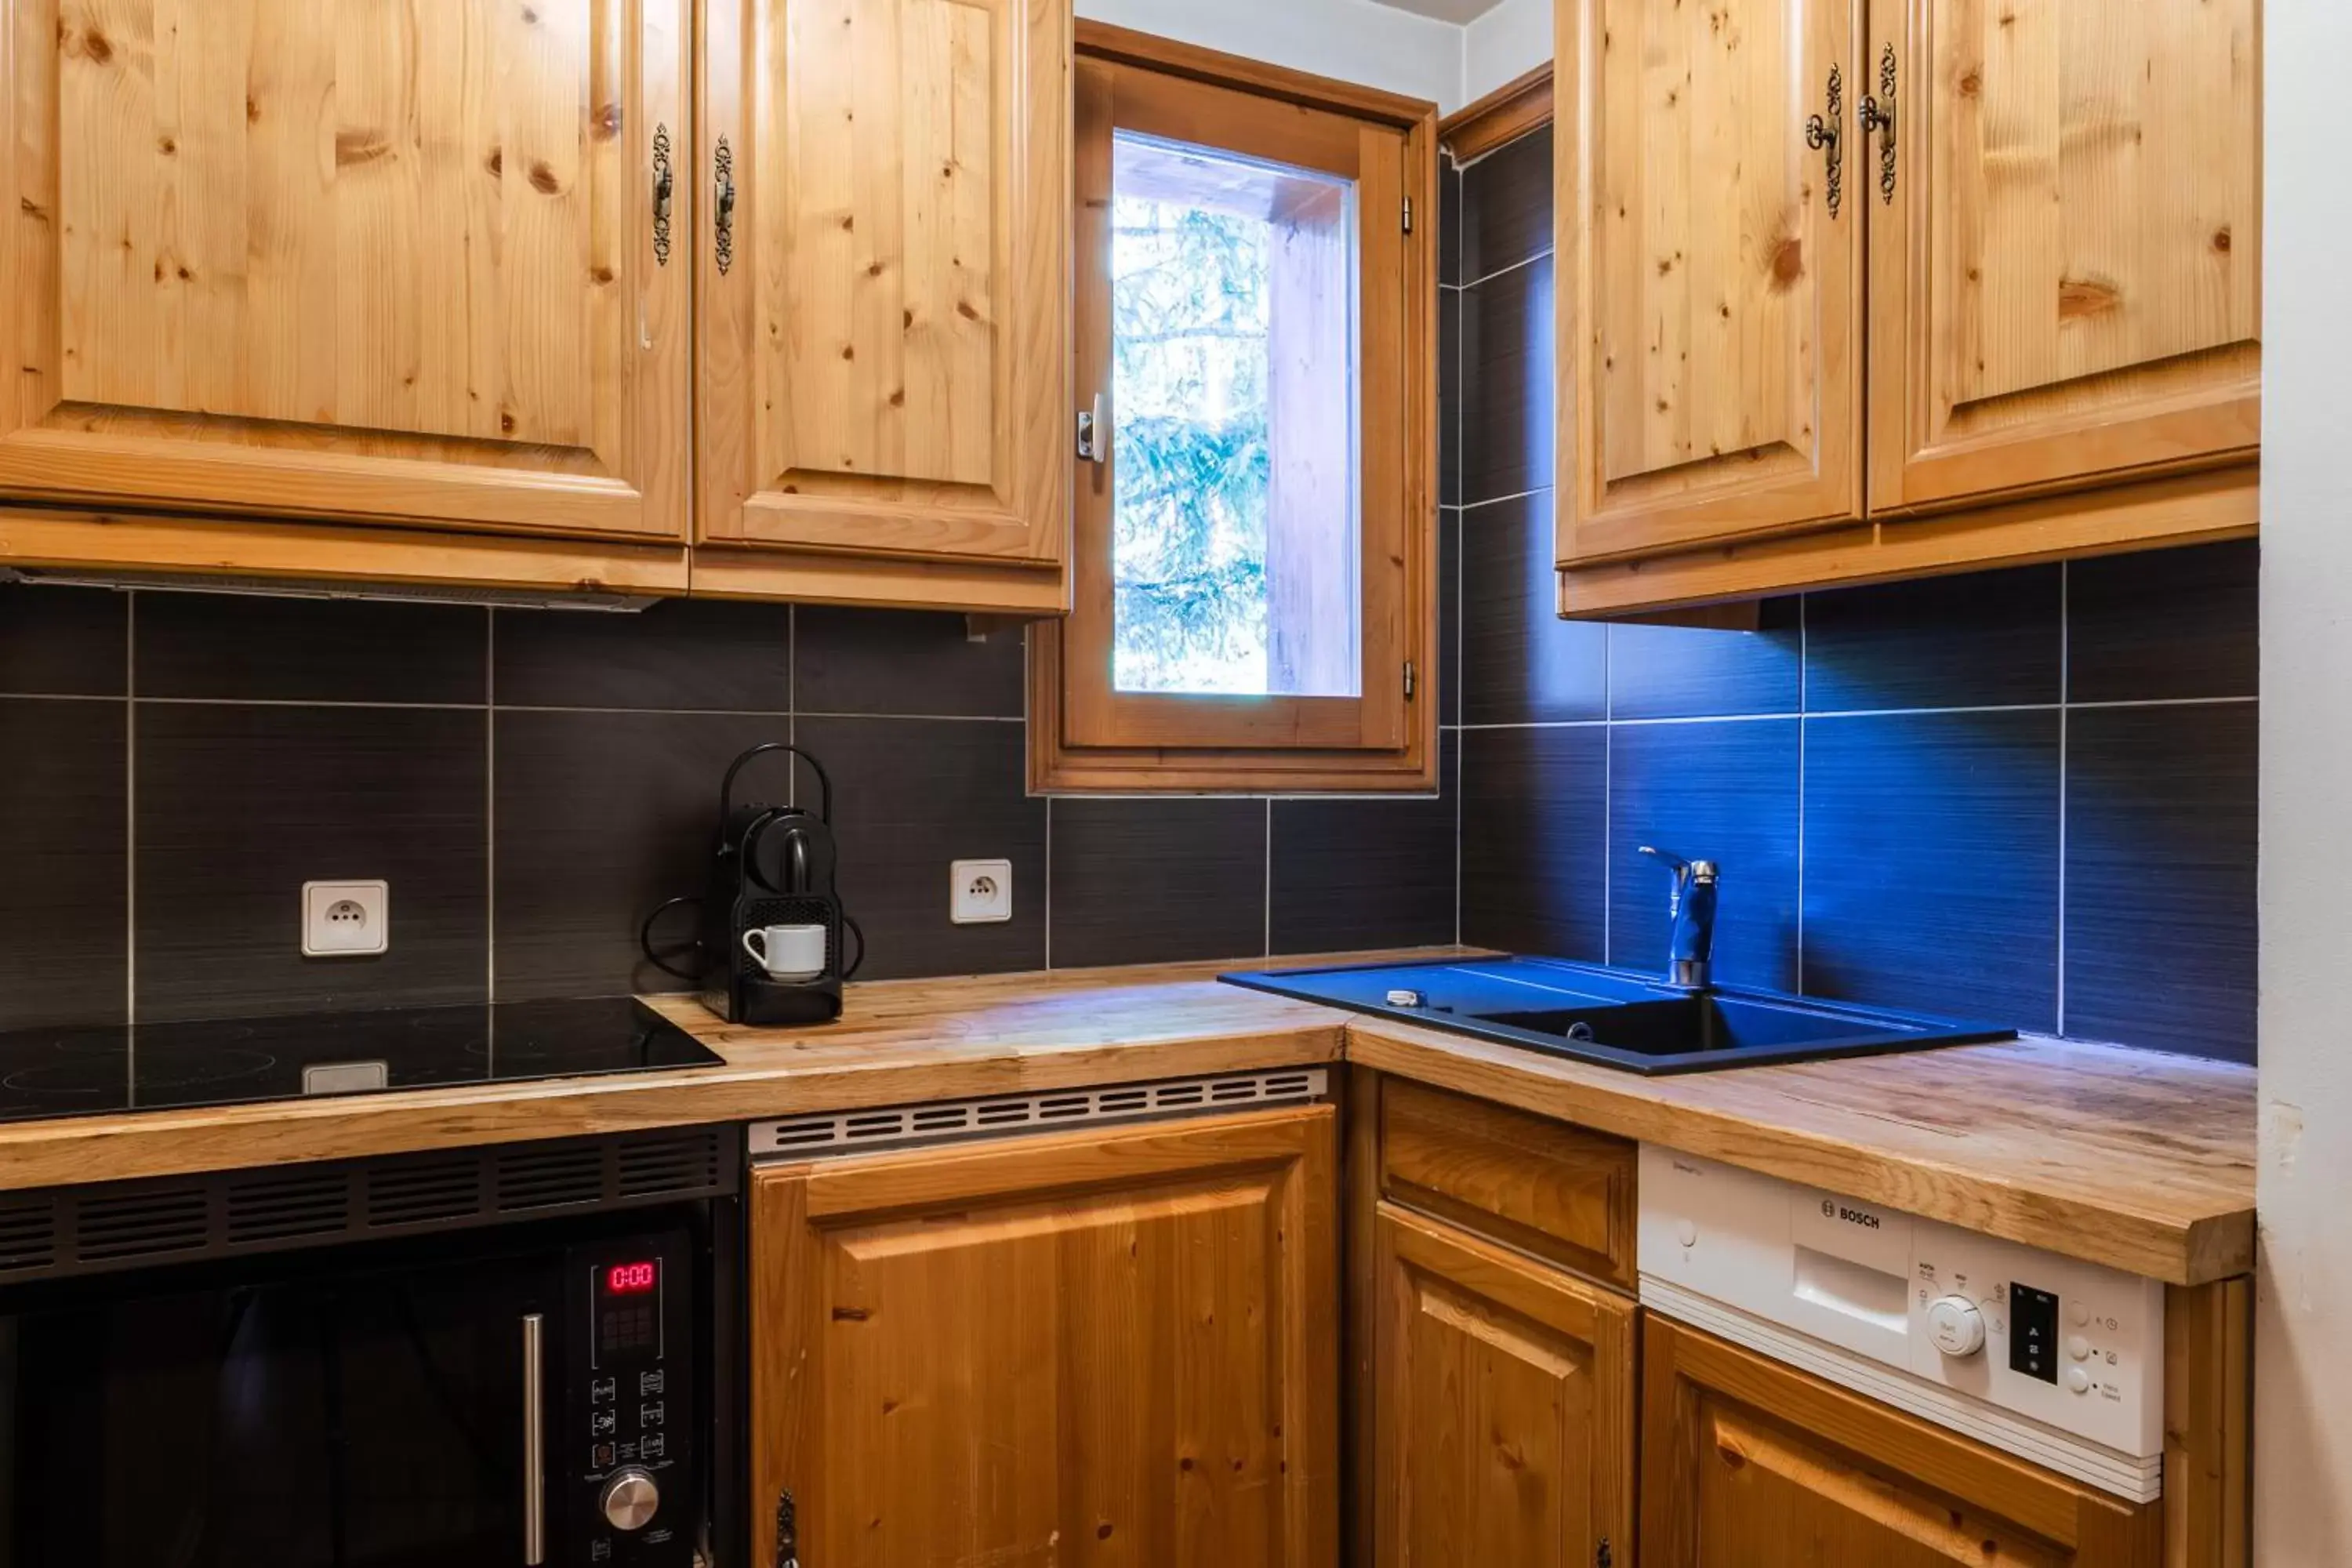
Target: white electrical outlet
[980,893]
[346,920]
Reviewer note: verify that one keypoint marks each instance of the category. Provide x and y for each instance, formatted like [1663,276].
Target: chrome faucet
[1691,954]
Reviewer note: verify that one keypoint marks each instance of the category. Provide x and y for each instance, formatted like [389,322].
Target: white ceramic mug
[794,954]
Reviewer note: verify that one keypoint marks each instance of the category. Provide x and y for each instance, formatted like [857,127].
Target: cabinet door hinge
[788,1533]
[1408,214]
[1411,679]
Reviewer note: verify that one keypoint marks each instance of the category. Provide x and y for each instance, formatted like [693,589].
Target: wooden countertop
[2131,1158]
[2136,1159]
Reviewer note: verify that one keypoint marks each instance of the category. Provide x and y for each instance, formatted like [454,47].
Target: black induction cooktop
[148,1067]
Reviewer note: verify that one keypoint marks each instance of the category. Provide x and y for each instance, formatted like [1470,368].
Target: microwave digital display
[631,1278]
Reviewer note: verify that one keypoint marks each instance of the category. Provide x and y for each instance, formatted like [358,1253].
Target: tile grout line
[793,711]
[1467,505]
[1519,266]
[490,803]
[2066,692]
[1608,790]
[131,816]
[1804,701]
[1265,897]
[1794,714]
[1461,572]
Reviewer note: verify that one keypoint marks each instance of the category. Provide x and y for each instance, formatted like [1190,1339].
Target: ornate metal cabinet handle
[1826,134]
[663,185]
[1878,114]
[723,181]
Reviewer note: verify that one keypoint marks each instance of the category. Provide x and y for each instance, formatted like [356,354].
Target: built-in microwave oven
[528,1393]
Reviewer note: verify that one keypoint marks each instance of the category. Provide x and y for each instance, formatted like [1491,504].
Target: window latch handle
[1094,435]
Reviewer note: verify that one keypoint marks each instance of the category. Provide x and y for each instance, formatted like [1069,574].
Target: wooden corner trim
[1506,114]
[1149,52]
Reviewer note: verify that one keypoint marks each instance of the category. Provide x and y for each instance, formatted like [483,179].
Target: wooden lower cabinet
[1504,1407]
[1750,1464]
[1099,1348]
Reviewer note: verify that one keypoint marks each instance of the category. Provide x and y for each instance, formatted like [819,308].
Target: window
[1253,554]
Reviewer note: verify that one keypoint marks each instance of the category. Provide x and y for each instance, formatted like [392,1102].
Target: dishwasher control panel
[2063,1343]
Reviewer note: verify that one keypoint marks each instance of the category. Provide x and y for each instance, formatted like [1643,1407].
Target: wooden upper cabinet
[352,259]
[1504,1397]
[1750,1464]
[886,304]
[1102,1347]
[2066,249]
[1710,309]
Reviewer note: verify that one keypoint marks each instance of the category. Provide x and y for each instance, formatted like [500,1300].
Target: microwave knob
[630,1499]
[1956,1326]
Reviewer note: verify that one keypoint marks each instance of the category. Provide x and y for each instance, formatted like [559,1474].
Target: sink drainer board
[1613,1017]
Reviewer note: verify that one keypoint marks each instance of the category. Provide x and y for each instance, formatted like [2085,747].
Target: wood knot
[1732,1455]
[496,162]
[360,147]
[2222,240]
[1788,263]
[1102,1531]
[2080,298]
[543,178]
[95,47]
[608,122]
[1972,83]
[851,1314]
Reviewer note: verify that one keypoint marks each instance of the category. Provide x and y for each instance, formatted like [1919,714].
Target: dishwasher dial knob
[630,1499]
[1956,1326]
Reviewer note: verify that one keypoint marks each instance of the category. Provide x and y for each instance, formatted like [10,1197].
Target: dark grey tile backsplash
[2027,796]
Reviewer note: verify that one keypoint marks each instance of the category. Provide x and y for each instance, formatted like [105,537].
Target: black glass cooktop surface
[148,1067]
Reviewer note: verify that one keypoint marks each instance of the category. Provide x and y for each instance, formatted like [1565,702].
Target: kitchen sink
[1613,1017]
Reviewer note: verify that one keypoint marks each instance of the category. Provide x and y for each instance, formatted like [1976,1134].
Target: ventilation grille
[851,1130]
[68,1231]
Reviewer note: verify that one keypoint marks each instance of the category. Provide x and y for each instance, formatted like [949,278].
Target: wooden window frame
[1083,737]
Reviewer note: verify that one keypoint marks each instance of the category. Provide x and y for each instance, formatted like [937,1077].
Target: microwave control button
[649,1383]
[2078,1380]
[650,1414]
[1956,1326]
[604,1423]
[655,1447]
[602,1457]
[630,1499]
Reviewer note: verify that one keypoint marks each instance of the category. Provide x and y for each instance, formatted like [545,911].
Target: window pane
[1234,537]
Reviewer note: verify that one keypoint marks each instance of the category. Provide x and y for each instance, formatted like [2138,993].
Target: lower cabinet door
[1096,1348]
[1503,1404]
[1750,1464]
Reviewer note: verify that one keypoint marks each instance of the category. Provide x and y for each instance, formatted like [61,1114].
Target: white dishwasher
[2054,1360]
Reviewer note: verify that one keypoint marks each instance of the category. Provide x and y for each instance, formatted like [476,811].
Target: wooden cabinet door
[1750,1464]
[885,324]
[349,258]
[2066,249]
[1099,1348]
[1710,308]
[1504,1403]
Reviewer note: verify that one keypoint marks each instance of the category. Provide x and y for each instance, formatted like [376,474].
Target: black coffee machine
[772,866]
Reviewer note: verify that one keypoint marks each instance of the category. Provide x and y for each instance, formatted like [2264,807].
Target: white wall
[2302,1401]
[1355,40]
[1505,44]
